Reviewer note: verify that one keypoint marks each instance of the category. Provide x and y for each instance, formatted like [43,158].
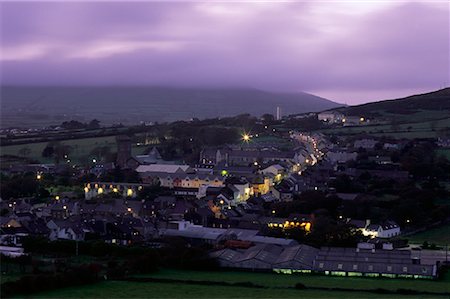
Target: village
[323,204]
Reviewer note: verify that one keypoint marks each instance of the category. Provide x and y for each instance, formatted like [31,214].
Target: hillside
[27,106]
[425,104]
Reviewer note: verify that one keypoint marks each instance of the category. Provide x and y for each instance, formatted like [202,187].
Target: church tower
[123,150]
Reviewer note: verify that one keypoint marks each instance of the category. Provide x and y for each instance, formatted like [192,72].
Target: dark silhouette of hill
[433,101]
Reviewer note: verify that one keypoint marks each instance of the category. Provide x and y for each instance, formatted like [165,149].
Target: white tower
[278,113]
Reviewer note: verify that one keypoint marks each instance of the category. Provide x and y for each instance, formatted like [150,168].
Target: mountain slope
[433,101]
[33,106]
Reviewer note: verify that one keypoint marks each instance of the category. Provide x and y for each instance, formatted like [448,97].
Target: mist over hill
[36,106]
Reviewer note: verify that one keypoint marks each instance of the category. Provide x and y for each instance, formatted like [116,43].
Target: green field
[80,148]
[444,152]
[120,289]
[275,286]
[283,280]
[438,236]
[410,129]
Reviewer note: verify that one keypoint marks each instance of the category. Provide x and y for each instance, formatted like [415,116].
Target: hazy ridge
[27,106]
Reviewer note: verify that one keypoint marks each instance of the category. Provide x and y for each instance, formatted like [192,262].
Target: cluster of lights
[286,225]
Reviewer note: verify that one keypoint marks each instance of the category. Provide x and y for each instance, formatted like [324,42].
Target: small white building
[331,116]
[388,229]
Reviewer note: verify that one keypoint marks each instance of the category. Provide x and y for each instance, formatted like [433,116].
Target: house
[365,143]
[66,229]
[276,170]
[387,229]
[331,116]
[13,235]
[340,156]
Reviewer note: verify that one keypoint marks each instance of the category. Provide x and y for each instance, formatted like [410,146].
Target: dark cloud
[346,51]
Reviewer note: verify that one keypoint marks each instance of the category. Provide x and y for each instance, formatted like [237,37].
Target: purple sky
[347,51]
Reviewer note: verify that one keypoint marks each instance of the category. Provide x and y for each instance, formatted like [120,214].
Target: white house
[330,116]
[388,229]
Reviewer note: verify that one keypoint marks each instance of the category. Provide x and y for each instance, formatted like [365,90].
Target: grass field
[80,148]
[280,280]
[276,286]
[404,130]
[120,289]
[444,152]
[439,236]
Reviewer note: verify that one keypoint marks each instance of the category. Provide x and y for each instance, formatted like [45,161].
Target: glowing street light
[38,176]
[246,137]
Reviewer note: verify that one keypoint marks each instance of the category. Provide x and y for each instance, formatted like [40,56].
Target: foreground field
[194,284]
[438,236]
[282,280]
[120,289]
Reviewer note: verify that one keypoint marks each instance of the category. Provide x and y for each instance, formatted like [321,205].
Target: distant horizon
[346,51]
[392,97]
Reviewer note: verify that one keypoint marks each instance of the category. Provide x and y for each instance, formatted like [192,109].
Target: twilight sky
[347,51]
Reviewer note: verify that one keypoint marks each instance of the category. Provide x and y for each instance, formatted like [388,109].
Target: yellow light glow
[361,119]
[65,207]
[38,176]
[129,192]
[57,197]
[129,210]
[308,227]
[344,120]
[86,189]
[115,190]
[221,202]
[246,137]
[100,190]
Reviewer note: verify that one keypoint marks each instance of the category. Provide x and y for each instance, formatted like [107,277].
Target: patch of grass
[81,148]
[280,280]
[439,236]
[121,289]
[443,152]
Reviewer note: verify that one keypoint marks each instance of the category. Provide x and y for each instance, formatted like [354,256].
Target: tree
[48,151]
[94,124]
[268,119]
